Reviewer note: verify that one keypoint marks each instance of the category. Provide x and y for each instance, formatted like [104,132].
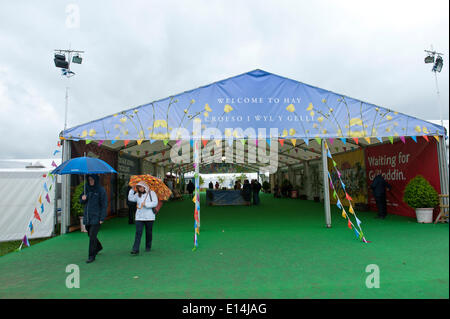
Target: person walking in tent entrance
[95,203]
[145,200]
[190,187]
[210,185]
[378,187]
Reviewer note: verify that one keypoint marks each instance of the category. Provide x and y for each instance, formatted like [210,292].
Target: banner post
[326,191]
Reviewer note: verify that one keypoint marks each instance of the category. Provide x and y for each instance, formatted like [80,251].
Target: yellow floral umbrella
[162,191]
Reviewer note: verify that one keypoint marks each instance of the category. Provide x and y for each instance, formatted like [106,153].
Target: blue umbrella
[82,166]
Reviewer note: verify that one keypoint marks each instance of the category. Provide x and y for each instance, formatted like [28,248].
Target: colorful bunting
[47,198]
[281,141]
[356,140]
[56,151]
[414,138]
[306,141]
[25,241]
[391,138]
[403,139]
[54,164]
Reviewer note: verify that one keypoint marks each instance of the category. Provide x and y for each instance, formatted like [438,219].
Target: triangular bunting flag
[306,141]
[56,151]
[100,143]
[367,140]
[40,199]
[268,141]
[403,139]
[319,140]
[45,187]
[54,164]
[391,138]
[356,140]
[344,215]
[436,137]
[139,142]
[126,142]
[380,139]
[348,196]
[344,140]
[25,241]
[243,141]
[42,208]
[47,198]
[88,141]
[165,142]
[204,142]
[349,224]
[293,141]
[331,140]
[36,214]
[357,221]
[414,138]
[113,141]
[281,141]
[351,209]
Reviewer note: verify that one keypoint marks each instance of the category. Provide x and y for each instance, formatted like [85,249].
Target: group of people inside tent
[249,190]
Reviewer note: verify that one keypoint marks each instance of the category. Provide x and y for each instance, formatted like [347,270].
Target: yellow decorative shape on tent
[84,133]
[218,142]
[388,117]
[285,133]
[311,113]
[227,132]
[292,131]
[192,101]
[159,123]
[324,101]
[418,129]
[92,132]
[290,108]
[207,108]
[320,119]
[310,107]
[356,121]
[228,108]
[425,130]
[205,114]
[123,119]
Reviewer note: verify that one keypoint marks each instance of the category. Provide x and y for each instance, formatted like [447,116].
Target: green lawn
[280,249]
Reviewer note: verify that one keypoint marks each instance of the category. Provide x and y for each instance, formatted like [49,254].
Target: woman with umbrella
[145,200]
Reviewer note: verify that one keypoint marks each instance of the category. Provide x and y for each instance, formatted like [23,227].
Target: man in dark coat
[378,187]
[256,187]
[95,203]
[190,187]
[247,192]
[131,209]
[210,185]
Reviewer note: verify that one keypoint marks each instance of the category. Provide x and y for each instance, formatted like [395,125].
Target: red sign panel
[399,163]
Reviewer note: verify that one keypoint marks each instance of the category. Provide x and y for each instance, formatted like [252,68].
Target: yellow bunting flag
[344,215]
[436,137]
[140,141]
[367,140]
[194,200]
[351,210]
[293,141]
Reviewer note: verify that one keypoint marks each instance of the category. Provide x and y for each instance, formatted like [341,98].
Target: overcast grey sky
[140,51]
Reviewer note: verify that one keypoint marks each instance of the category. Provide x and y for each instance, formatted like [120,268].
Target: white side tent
[21,185]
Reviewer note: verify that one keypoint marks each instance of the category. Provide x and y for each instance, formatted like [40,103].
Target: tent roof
[255,100]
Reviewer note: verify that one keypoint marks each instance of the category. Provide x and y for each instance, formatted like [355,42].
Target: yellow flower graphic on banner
[123,119]
[227,132]
[92,132]
[388,117]
[292,131]
[310,107]
[425,130]
[207,108]
[290,108]
[285,133]
[159,123]
[356,121]
[418,129]
[324,101]
[84,134]
[320,119]
[311,113]
[228,108]
[205,114]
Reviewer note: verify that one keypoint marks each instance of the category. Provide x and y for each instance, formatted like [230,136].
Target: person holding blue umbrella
[94,197]
[95,203]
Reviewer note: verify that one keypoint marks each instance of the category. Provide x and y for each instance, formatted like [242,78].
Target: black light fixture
[429,59]
[438,65]
[60,61]
[77,59]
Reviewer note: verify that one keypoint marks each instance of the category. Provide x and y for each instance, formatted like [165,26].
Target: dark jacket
[256,187]
[95,204]
[130,204]
[190,187]
[379,185]
[247,192]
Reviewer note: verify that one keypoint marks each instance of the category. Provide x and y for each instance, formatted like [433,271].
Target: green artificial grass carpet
[280,249]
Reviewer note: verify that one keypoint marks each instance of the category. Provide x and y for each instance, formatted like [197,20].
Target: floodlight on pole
[436,58]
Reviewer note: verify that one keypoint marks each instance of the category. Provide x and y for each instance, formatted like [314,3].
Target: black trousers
[94,244]
[131,213]
[381,205]
[148,224]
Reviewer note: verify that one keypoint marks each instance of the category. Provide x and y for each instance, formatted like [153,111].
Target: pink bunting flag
[331,141]
[54,164]
[47,198]
[100,142]
[403,139]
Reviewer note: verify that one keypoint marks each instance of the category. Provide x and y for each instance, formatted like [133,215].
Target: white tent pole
[65,190]
[326,191]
